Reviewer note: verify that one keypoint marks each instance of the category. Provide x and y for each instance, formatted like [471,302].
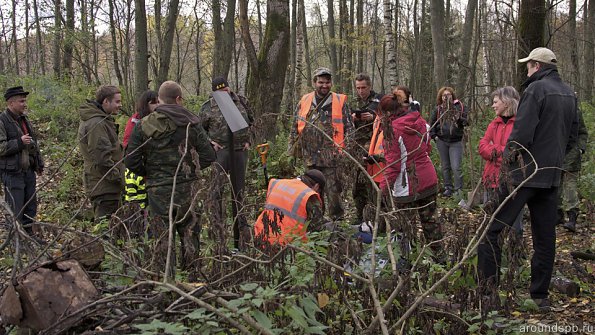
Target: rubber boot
[571,224]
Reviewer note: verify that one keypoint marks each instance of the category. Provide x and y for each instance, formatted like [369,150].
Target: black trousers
[542,203]
[19,193]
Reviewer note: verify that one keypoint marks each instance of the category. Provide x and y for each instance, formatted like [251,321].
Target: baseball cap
[321,71]
[219,83]
[542,55]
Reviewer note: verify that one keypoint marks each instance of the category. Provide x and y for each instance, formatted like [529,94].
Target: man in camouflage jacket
[102,151]
[220,136]
[159,143]
[321,150]
[363,112]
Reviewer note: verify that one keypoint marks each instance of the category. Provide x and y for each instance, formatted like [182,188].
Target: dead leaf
[323,300]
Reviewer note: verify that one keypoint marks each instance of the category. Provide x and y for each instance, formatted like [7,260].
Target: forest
[62,50]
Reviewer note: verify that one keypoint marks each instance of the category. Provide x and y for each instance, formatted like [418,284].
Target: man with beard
[322,121]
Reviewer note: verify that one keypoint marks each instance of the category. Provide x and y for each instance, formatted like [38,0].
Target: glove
[495,155]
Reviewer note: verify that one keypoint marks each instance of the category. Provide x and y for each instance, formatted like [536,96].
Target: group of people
[165,146]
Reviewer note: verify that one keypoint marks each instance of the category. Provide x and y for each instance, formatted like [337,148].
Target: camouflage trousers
[333,189]
[362,194]
[185,222]
[426,210]
[569,191]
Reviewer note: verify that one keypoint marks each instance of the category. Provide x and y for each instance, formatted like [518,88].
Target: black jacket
[448,126]
[547,126]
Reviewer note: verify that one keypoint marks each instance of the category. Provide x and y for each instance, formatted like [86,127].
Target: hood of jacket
[166,119]
[178,114]
[410,123]
[92,109]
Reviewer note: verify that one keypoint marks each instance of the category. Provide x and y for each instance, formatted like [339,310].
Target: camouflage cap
[320,72]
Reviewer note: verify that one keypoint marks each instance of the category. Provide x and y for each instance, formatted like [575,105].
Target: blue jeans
[451,156]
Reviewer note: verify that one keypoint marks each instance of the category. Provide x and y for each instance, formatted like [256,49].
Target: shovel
[263,149]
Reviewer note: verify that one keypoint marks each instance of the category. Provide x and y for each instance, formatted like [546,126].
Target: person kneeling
[293,207]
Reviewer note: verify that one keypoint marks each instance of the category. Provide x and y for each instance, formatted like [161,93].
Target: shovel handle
[263,149]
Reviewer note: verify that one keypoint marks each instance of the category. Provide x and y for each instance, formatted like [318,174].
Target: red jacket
[134,119]
[494,140]
[409,170]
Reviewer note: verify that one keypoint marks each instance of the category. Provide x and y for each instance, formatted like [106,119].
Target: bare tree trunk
[197,44]
[438,42]
[68,40]
[332,37]
[94,43]
[168,41]
[27,44]
[589,52]
[85,41]
[360,34]
[289,89]
[14,37]
[267,69]
[259,16]
[40,46]
[115,57]
[389,41]
[531,31]
[299,55]
[224,32]
[574,74]
[466,47]
[306,42]
[141,55]
[57,37]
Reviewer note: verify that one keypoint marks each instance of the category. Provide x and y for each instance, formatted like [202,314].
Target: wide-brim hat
[14,91]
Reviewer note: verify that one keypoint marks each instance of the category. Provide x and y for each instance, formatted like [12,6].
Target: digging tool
[263,149]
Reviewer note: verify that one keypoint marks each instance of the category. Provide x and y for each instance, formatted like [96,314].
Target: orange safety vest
[376,148]
[286,207]
[337,118]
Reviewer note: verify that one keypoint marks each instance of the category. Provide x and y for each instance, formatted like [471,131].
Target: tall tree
[438,42]
[574,77]
[113,32]
[68,40]
[168,41]
[268,67]
[57,37]
[304,28]
[38,34]
[141,51]
[27,43]
[14,37]
[389,40]
[224,32]
[332,44]
[464,72]
[360,35]
[530,32]
[589,52]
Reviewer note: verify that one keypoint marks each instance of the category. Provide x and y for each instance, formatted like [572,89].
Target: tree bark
[360,35]
[332,37]
[27,44]
[141,54]
[438,42]
[530,33]
[57,37]
[224,32]
[574,74]
[68,40]
[389,42]
[267,69]
[38,35]
[14,37]
[464,71]
[168,41]
[589,53]
[304,28]
[115,57]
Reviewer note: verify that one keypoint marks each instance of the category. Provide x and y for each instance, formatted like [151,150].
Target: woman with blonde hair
[505,101]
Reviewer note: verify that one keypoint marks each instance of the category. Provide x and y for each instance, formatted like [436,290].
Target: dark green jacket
[101,150]
[572,161]
[213,122]
[166,131]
